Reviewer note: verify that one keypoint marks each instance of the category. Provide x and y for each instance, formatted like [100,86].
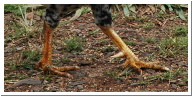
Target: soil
[98,72]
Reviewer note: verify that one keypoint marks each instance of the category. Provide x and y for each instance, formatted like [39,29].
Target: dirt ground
[98,71]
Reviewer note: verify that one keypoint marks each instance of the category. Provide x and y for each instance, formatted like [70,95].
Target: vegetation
[13,8]
[75,43]
[107,49]
[175,46]
[170,47]
[29,58]
[129,9]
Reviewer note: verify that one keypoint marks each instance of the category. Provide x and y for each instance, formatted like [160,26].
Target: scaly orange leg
[46,61]
[131,58]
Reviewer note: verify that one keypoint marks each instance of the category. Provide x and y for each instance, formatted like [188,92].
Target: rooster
[103,19]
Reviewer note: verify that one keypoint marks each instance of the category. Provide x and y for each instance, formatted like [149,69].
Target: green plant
[47,77]
[115,15]
[75,43]
[19,31]
[148,25]
[126,72]
[20,25]
[9,76]
[127,8]
[130,42]
[150,40]
[94,32]
[11,64]
[162,14]
[104,41]
[143,83]
[65,60]
[107,49]
[40,12]
[169,75]
[22,76]
[78,13]
[181,31]
[174,46]
[177,8]
[110,73]
[13,8]
[29,58]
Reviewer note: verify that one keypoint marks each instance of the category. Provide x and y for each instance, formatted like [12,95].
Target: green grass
[143,83]
[107,49]
[131,43]
[161,14]
[147,25]
[177,44]
[40,12]
[114,15]
[150,40]
[126,72]
[13,75]
[26,60]
[20,23]
[47,77]
[65,60]
[13,8]
[29,59]
[22,76]
[167,76]
[9,76]
[103,41]
[181,31]
[74,44]
[10,64]
[174,46]
[139,19]
[18,31]
[110,73]
[94,32]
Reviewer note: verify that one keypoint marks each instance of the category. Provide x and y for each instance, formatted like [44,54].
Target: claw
[131,58]
[65,68]
[45,63]
[118,55]
[166,69]
[58,72]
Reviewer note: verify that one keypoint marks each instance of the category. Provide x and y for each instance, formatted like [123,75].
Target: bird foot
[47,67]
[137,64]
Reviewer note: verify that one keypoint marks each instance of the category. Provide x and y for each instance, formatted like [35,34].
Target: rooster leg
[131,58]
[46,61]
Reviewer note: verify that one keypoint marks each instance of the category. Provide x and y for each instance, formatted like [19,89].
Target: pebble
[84,63]
[32,72]
[45,82]
[28,81]
[73,84]
[19,48]
[92,76]
[80,74]
[36,89]
[79,87]
[173,81]
[58,80]
[70,56]
[38,18]
[174,86]
[134,84]
[182,64]
[75,30]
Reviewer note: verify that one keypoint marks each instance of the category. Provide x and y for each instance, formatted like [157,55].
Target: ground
[145,34]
